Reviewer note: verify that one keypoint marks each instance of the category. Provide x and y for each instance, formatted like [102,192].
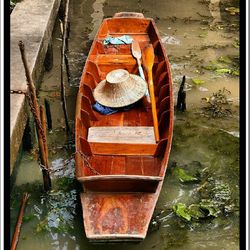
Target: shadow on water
[203,171]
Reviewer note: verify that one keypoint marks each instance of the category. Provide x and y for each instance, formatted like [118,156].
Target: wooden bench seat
[121,183]
[120,134]
[114,140]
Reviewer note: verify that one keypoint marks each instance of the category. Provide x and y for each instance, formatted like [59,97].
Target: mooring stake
[63,63]
[48,113]
[41,132]
[181,99]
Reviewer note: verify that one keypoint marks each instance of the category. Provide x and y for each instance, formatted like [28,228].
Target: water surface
[195,34]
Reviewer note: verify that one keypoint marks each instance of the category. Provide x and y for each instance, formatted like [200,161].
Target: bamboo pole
[63,49]
[19,222]
[36,113]
[43,121]
[46,176]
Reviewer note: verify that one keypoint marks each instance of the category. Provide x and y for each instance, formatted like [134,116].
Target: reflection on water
[97,17]
[54,220]
[214,7]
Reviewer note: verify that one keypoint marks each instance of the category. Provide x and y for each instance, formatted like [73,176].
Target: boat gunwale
[164,159]
[119,177]
[171,111]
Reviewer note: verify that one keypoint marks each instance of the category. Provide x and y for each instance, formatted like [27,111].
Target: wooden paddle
[136,52]
[148,62]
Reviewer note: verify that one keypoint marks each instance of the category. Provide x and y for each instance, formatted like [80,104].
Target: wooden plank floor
[136,116]
[129,165]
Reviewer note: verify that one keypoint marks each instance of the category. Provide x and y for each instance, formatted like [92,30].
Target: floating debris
[202,89]
[217,105]
[223,71]
[197,81]
[233,133]
[236,43]
[203,35]
[170,40]
[224,65]
[233,11]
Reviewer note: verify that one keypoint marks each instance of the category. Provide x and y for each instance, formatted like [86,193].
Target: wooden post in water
[48,62]
[47,181]
[42,141]
[181,99]
[19,222]
[48,114]
[64,37]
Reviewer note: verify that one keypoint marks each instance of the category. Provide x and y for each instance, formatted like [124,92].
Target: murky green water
[196,34]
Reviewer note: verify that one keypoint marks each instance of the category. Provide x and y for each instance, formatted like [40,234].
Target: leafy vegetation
[224,65]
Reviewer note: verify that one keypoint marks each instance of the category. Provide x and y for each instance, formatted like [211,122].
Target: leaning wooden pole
[19,222]
[42,141]
[46,176]
[64,37]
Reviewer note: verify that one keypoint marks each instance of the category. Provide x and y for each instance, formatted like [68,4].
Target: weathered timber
[16,234]
[181,99]
[39,124]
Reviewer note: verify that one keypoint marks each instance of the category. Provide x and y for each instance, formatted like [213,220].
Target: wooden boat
[118,162]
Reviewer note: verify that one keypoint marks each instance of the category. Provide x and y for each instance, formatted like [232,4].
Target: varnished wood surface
[120,183]
[110,216]
[117,165]
[113,173]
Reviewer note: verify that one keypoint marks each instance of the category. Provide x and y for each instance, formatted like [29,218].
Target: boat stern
[117,217]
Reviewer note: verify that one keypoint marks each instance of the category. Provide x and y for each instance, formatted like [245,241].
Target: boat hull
[110,217]
[122,173]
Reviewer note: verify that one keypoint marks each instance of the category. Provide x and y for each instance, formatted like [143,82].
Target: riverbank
[31,21]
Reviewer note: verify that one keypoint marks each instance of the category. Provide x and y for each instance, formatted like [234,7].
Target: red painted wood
[111,216]
[89,79]
[91,67]
[164,124]
[102,148]
[120,183]
[164,105]
[163,80]
[151,166]
[164,92]
[87,91]
[86,106]
[85,119]
[133,165]
[161,147]
[118,165]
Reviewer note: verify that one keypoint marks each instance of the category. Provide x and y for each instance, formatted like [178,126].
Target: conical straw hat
[120,89]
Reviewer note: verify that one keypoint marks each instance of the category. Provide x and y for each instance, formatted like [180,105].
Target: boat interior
[122,146]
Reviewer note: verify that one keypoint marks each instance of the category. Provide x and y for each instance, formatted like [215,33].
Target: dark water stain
[194,33]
